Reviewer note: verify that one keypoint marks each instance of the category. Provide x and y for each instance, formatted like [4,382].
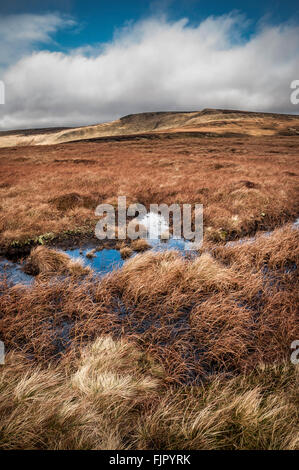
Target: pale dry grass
[210,121]
[90,403]
[108,368]
[254,411]
[112,397]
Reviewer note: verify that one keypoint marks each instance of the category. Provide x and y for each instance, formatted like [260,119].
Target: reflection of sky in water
[13,273]
[106,260]
[171,244]
[103,262]
[155,225]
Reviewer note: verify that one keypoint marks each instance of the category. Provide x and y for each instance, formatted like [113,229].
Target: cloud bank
[150,66]
[20,33]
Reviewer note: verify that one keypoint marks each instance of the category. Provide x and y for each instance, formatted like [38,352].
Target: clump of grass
[155,277]
[278,250]
[112,369]
[91,254]
[86,403]
[252,411]
[46,261]
[140,245]
[70,201]
[110,397]
[225,331]
[126,252]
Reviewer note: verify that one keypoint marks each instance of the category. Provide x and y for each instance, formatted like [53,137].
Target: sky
[74,62]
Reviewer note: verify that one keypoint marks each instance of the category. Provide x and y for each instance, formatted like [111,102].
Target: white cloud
[19,34]
[154,65]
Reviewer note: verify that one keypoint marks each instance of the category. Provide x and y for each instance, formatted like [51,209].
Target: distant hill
[211,122]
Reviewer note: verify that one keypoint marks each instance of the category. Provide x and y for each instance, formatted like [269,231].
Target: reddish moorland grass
[196,317]
[278,251]
[166,353]
[244,184]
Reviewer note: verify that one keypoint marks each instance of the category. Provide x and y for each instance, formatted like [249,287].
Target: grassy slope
[211,121]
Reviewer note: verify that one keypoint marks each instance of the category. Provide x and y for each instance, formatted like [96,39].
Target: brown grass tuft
[126,252]
[46,261]
[140,245]
[91,254]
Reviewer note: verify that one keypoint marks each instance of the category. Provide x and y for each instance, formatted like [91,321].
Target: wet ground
[13,273]
[102,262]
[107,260]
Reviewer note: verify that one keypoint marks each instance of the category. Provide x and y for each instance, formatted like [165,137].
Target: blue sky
[72,62]
[99,20]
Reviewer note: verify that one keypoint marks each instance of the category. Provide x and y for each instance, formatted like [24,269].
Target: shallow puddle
[172,244]
[101,262]
[13,273]
[244,241]
[107,260]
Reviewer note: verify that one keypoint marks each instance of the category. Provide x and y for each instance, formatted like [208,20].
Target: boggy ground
[50,192]
[167,352]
